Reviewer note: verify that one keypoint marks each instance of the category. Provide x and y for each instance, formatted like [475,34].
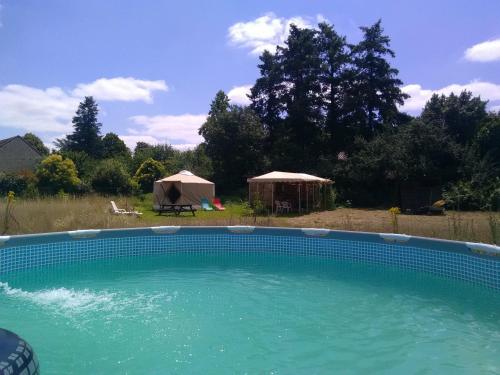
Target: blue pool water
[271,314]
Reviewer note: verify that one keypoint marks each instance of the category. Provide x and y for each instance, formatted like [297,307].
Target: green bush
[330,197]
[12,182]
[111,177]
[56,174]
[149,171]
[467,195]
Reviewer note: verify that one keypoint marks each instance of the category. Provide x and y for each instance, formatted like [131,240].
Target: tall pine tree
[267,101]
[374,91]
[335,58]
[86,136]
[301,62]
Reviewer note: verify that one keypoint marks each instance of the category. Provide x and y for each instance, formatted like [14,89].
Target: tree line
[324,106]
[320,105]
[86,161]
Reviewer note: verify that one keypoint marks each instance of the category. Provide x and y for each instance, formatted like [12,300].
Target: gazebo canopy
[298,189]
[276,176]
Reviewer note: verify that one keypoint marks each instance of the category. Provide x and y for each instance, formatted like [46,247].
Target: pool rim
[484,261]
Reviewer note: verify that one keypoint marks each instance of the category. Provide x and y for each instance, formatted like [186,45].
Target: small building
[16,155]
[303,191]
[182,188]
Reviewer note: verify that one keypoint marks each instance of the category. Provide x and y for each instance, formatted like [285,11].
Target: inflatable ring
[16,355]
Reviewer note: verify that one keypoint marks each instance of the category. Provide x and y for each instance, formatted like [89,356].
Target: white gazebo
[302,190]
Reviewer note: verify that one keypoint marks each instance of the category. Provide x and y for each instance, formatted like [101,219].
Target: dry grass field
[61,214]
[462,226]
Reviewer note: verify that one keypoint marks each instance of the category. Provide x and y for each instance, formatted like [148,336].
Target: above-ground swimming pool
[251,300]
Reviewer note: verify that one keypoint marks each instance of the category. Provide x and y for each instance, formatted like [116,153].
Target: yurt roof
[185,177]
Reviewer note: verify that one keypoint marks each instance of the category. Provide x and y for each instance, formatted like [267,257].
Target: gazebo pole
[307,198]
[272,198]
[300,207]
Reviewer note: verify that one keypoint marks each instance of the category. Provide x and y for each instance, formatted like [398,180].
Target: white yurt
[182,188]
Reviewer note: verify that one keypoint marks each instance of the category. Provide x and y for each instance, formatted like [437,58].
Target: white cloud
[495,108]
[419,96]
[484,52]
[266,32]
[131,140]
[181,131]
[51,110]
[123,89]
[238,94]
[33,109]
[185,146]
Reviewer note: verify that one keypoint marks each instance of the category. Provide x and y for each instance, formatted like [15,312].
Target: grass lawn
[234,209]
[61,214]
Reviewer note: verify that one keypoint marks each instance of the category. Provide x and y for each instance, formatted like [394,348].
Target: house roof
[6,140]
[276,176]
[185,177]
[3,142]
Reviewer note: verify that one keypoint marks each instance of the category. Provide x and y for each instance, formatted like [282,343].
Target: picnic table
[176,208]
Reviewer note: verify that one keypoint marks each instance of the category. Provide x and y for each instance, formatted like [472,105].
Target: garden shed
[302,191]
[182,188]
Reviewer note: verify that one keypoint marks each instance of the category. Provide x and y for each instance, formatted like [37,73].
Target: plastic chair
[217,204]
[205,205]
[279,207]
[286,206]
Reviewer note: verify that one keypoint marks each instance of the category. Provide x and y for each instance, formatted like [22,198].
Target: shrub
[111,177]
[85,164]
[467,195]
[12,182]
[149,171]
[56,174]
[330,196]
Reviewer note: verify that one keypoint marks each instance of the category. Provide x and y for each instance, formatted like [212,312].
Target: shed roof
[276,176]
[185,177]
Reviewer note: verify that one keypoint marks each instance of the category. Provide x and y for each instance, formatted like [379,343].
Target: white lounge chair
[120,211]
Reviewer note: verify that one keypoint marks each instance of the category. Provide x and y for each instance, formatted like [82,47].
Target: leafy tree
[86,136]
[461,115]
[144,151]
[373,92]
[85,164]
[488,137]
[149,171]
[111,177]
[195,160]
[234,142]
[37,143]
[416,154]
[57,174]
[114,147]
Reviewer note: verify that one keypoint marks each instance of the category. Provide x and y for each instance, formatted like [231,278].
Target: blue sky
[154,66]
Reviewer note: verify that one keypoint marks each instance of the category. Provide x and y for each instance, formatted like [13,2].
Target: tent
[302,190]
[182,188]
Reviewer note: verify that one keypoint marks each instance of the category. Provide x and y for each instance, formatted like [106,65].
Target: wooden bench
[176,208]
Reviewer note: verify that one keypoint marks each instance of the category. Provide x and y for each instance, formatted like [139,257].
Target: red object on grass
[217,204]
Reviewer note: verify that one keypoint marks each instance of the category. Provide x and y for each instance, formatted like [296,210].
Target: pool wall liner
[472,262]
